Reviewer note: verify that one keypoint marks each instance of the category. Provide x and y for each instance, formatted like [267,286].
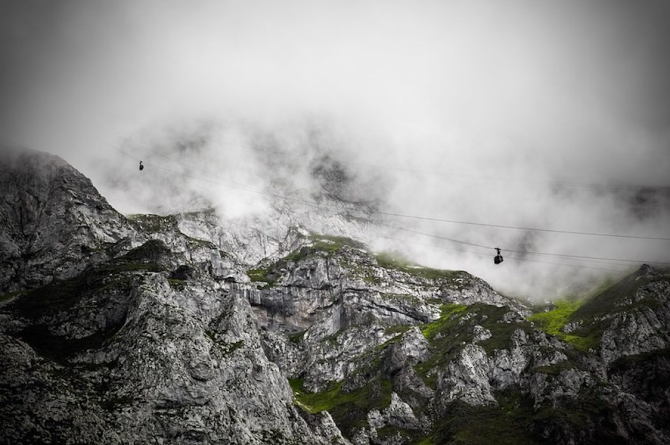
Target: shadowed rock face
[141,342]
[53,220]
[116,330]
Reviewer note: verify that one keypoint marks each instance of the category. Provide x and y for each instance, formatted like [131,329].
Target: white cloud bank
[480,111]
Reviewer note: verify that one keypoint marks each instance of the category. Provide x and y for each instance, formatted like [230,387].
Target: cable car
[498,258]
[141,166]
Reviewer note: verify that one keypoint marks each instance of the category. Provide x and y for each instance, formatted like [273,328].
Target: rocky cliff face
[53,220]
[156,329]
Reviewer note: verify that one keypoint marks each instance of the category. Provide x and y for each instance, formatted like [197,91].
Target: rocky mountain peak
[178,330]
[53,220]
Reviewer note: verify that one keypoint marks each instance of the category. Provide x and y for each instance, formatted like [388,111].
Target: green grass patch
[590,340]
[348,408]
[296,337]
[371,280]
[393,261]
[322,244]
[397,329]
[552,322]
[332,243]
[606,300]
[491,318]
[297,255]
[444,343]
[615,298]
[321,401]
[597,312]
[449,312]
[447,335]
[393,340]
[264,276]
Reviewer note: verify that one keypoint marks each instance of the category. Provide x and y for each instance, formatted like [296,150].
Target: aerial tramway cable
[429,218]
[242,187]
[452,174]
[576,266]
[533,229]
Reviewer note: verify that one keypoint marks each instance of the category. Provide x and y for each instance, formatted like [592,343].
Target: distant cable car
[498,258]
[141,166]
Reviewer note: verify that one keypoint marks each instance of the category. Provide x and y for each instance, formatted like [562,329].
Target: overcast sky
[484,111]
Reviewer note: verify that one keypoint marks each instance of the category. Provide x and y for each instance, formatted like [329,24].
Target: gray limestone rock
[188,329]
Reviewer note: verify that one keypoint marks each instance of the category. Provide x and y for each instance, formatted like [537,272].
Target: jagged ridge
[128,330]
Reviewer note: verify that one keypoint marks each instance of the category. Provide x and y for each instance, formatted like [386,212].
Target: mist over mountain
[307,255]
[245,171]
[194,329]
[530,114]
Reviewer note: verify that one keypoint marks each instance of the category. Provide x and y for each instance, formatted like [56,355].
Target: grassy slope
[515,420]
[553,322]
[348,408]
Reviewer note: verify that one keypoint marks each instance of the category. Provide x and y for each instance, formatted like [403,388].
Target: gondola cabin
[498,258]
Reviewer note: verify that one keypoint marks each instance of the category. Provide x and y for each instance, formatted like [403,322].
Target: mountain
[183,329]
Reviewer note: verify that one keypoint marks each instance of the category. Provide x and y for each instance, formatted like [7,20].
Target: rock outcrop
[157,329]
[146,341]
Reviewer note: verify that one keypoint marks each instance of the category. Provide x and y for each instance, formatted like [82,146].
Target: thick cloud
[511,113]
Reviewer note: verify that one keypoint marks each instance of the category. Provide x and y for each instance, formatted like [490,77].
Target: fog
[526,114]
